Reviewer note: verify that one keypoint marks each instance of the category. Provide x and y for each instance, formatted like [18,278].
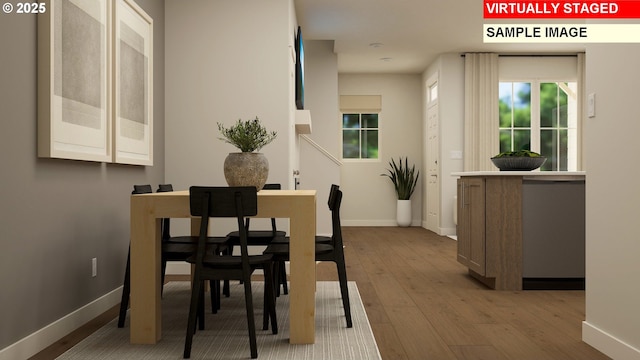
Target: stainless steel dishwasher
[553,234]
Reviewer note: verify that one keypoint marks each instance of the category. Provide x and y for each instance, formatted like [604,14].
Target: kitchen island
[522,229]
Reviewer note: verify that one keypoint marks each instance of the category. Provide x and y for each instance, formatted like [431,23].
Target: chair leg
[201,309]
[225,283]
[126,289]
[276,275]
[280,278]
[225,288]
[215,295]
[344,291]
[266,313]
[265,302]
[163,271]
[270,300]
[248,300]
[283,278]
[191,323]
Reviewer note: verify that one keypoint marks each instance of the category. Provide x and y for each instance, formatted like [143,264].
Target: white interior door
[432,155]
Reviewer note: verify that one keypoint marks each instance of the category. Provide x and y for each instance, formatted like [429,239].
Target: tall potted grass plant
[405,180]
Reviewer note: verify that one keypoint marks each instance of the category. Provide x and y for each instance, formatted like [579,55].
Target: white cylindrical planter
[403,215]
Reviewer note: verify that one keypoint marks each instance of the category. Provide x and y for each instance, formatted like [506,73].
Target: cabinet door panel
[462,226]
[475,199]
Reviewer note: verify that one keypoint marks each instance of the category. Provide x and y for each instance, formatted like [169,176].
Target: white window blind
[360,103]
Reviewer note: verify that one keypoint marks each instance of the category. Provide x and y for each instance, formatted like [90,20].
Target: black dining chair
[173,249]
[258,237]
[262,237]
[333,251]
[320,239]
[215,243]
[281,274]
[227,202]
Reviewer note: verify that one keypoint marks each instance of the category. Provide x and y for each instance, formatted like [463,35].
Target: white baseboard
[608,344]
[447,231]
[41,339]
[356,223]
[442,231]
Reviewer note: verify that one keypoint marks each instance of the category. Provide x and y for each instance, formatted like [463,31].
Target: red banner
[519,9]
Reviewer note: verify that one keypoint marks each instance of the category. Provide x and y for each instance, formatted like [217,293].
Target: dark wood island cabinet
[522,230]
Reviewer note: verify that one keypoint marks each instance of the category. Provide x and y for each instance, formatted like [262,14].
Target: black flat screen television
[299,70]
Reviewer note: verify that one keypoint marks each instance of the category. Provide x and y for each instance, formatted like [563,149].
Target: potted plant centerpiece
[521,160]
[404,180]
[248,167]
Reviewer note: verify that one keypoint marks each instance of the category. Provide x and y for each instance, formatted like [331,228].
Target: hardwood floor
[422,305]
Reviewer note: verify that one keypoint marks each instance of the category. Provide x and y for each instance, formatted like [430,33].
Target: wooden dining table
[147,210]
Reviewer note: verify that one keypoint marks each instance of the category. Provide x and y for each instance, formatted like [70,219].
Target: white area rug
[226,335]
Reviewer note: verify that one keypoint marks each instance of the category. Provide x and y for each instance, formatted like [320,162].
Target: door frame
[431,207]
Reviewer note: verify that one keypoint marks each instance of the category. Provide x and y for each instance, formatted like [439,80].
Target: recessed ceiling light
[376,45]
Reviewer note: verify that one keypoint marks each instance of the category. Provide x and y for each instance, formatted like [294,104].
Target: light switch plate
[591,105]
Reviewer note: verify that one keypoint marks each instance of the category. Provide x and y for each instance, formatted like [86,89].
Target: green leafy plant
[247,135]
[404,179]
[519,153]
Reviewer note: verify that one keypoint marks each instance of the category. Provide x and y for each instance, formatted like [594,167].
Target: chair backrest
[336,237]
[208,202]
[142,189]
[165,188]
[272,187]
[222,201]
[332,193]
[273,220]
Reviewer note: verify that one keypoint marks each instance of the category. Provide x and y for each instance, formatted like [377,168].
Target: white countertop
[555,175]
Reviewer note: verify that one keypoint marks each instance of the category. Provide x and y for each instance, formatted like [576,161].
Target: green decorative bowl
[518,163]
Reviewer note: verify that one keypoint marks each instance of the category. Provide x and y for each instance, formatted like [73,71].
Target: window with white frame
[360,126]
[540,116]
[360,136]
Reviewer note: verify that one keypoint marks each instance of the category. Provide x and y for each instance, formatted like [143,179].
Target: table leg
[145,313]
[303,271]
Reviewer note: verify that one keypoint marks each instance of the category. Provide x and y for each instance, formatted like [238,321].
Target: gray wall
[55,215]
[612,322]
[317,171]
[371,197]
[239,65]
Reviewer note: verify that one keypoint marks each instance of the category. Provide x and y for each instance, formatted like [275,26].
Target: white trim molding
[41,339]
[356,223]
[607,343]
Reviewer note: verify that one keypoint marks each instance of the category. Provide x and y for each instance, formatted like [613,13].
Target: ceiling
[410,33]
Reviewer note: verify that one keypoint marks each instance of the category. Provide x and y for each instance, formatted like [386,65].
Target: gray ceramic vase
[246,169]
